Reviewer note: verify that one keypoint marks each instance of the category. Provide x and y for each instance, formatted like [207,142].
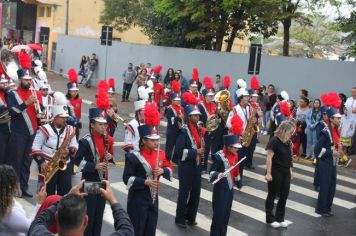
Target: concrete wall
[290,74]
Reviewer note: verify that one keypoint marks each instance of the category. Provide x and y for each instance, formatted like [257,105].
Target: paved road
[247,216]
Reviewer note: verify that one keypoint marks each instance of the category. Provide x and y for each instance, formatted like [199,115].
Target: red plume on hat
[236,125]
[24,60]
[151,114]
[157,69]
[227,82]
[208,82]
[334,100]
[175,86]
[195,75]
[325,99]
[103,85]
[111,82]
[190,98]
[255,84]
[2,70]
[102,99]
[284,108]
[72,75]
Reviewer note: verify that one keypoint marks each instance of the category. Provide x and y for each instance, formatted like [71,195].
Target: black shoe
[123,100]
[191,223]
[182,226]
[26,193]
[316,188]
[330,213]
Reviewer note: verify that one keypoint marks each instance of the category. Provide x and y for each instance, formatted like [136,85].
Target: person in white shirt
[47,102]
[13,219]
[46,144]
[348,127]
[132,137]
[350,104]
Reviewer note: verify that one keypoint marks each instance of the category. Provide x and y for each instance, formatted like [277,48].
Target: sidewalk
[126,109]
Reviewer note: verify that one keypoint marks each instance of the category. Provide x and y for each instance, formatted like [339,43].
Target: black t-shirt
[271,101]
[282,153]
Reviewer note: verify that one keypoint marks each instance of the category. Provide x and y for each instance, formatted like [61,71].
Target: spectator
[71,214]
[218,84]
[348,127]
[82,67]
[350,104]
[303,93]
[129,77]
[269,102]
[300,116]
[149,68]
[141,80]
[312,120]
[93,64]
[13,220]
[169,77]
[183,82]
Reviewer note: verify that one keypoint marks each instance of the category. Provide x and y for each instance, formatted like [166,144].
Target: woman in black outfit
[279,164]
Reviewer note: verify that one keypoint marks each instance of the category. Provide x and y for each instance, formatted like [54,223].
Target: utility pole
[67,17]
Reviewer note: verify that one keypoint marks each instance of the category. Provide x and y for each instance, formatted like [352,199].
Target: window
[41,12]
[49,11]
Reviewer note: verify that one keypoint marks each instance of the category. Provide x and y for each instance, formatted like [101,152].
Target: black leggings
[279,186]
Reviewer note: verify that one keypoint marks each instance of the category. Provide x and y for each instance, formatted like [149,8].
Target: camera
[92,187]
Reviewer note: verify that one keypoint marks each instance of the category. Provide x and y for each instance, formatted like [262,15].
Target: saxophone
[101,173]
[118,119]
[58,162]
[250,130]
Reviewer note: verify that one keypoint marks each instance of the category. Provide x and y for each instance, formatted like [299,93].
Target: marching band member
[4,120]
[47,143]
[243,109]
[326,150]
[94,151]
[74,101]
[254,105]
[207,108]
[48,101]
[175,119]
[189,151]
[141,175]
[194,86]
[224,189]
[158,92]
[241,84]
[24,123]
[112,124]
[276,109]
[132,137]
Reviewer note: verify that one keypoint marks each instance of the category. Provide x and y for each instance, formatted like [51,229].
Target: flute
[228,171]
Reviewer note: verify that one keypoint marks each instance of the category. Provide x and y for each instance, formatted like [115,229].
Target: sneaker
[348,163]
[275,224]
[283,224]
[264,132]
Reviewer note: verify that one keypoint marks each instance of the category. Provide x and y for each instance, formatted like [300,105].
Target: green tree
[217,21]
[161,30]
[348,25]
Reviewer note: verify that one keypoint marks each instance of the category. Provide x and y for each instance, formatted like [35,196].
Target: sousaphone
[9,63]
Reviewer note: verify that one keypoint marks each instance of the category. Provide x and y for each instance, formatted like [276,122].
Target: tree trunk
[231,39]
[286,35]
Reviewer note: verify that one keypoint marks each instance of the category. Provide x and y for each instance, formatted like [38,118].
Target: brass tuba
[221,112]
[9,63]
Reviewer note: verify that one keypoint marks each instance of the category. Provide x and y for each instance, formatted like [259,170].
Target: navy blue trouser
[250,150]
[20,146]
[189,192]
[4,143]
[327,181]
[126,91]
[95,212]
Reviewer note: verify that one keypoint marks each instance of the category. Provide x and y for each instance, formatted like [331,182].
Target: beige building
[83,20]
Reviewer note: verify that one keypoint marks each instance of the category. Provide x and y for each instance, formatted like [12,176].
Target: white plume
[42,75]
[38,63]
[149,83]
[241,83]
[60,98]
[285,95]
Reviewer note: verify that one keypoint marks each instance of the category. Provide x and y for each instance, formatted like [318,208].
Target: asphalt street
[247,215]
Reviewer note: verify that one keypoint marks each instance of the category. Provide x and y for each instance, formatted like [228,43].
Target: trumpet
[118,119]
[39,113]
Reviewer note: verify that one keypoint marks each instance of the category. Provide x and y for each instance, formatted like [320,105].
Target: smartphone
[92,187]
[41,182]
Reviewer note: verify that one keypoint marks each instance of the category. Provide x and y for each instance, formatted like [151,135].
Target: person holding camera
[71,214]
[94,151]
[47,143]
[141,175]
